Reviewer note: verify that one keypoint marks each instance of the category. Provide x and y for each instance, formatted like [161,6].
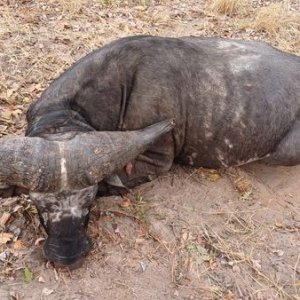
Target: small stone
[41,279]
[47,291]
[139,241]
[236,269]
[4,255]
[176,293]
[278,252]
[144,265]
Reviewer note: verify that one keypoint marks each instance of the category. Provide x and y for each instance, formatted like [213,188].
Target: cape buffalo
[231,101]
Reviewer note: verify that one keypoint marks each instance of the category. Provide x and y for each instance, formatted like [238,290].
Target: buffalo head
[62,173]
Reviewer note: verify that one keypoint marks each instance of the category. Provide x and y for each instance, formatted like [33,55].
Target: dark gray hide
[233,102]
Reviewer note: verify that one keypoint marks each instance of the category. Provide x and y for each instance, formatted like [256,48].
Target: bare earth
[192,233]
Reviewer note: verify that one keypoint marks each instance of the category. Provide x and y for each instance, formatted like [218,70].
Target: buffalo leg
[287,152]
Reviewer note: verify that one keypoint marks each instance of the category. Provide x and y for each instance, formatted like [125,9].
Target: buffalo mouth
[67,251]
[67,242]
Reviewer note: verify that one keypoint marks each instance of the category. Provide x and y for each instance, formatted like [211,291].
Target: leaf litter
[40,39]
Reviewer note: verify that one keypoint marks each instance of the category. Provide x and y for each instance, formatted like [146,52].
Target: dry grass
[251,265]
[230,7]
[280,23]
[42,38]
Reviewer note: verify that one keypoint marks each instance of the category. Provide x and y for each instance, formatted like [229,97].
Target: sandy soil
[190,234]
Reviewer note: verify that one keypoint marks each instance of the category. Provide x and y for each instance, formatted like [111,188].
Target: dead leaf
[17,207]
[213,176]
[19,245]
[5,237]
[125,203]
[3,129]
[243,185]
[8,271]
[9,93]
[4,218]
[229,295]
[15,113]
[27,275]
[279,224]
[213,263]
[185,235]
[256,263]
[201,253]
[26,100]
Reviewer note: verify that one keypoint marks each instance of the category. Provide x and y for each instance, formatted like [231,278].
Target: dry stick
[295,271]
[243,258]
[126,285]
[120,213]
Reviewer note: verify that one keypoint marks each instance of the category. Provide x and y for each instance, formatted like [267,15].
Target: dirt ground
[190,234]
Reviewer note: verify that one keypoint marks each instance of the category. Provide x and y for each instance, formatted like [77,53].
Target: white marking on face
[76,212]
[56,217]
[64,174]
[56,206]
[63,168]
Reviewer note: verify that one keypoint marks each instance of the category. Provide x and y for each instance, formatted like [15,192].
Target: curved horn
[94,155]
[29,163]
[42,165]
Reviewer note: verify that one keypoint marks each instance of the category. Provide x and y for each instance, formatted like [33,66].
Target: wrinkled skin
[233,102]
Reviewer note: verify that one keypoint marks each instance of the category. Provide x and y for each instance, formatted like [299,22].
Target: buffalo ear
[115,181]
[112,185]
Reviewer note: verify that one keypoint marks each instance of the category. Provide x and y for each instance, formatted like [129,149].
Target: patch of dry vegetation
[276,22]
[238,257]
[230,7]
[280,23]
